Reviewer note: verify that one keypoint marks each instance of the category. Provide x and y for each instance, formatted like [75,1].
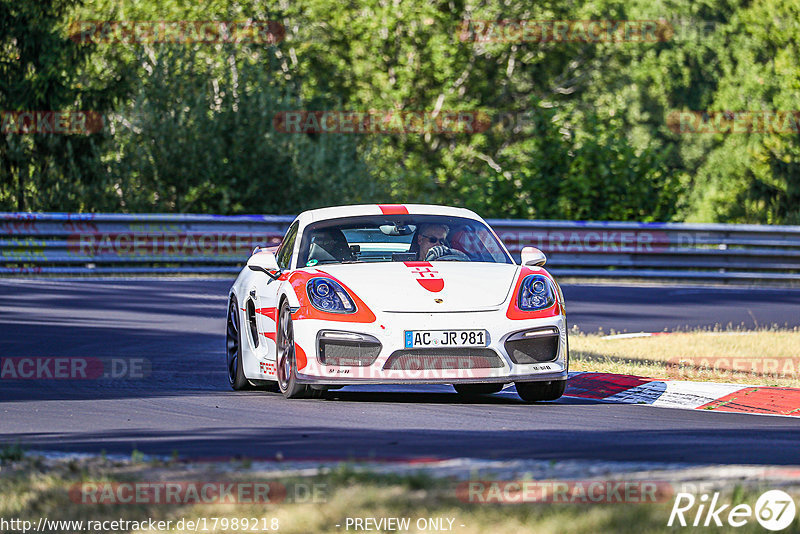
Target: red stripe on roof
[393,209]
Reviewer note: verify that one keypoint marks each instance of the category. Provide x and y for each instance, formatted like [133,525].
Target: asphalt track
[185,404]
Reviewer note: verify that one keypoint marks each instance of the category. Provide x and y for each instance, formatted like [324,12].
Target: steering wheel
[443,253]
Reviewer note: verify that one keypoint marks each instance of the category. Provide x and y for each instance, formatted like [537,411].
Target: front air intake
[533,346]
[447,358]
[347,349]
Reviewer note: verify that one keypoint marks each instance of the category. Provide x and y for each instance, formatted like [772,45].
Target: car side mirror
[265,262]
[533,257]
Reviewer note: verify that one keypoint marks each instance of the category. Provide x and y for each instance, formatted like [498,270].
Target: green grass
[29,490]
[760,357]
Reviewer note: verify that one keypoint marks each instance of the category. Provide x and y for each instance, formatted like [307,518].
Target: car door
[267,297]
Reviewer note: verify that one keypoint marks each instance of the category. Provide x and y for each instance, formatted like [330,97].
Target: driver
[429,236]
[330,245]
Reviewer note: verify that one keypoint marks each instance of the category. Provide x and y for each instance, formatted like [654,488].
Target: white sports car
[396,294]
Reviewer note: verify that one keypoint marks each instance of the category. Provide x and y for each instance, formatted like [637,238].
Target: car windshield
[399,238]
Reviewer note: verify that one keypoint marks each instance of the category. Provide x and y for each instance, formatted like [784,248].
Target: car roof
[336,212]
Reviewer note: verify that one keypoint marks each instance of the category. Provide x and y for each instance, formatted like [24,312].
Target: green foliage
[198,140]
[11,453]
[579,130]
[756,178]
[41,69]
[137,456]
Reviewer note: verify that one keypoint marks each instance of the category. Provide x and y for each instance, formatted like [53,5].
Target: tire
[474,390]
[233,345]
[541,391]
[286,361]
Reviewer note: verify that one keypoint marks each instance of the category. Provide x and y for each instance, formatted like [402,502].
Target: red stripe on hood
[426,275]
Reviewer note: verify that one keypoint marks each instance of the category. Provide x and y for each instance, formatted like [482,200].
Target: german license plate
[445,338]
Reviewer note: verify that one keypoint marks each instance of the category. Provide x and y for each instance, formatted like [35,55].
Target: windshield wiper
[330,262]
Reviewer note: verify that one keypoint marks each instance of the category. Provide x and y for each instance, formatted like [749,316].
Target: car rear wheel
[233,343]
[287,362]
[473,390]
[541,391]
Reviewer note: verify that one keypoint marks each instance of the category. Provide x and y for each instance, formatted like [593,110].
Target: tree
[41,69]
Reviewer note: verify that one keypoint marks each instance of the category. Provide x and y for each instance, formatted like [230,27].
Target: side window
[284,255]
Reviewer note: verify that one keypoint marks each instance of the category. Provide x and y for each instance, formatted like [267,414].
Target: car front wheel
[287,361]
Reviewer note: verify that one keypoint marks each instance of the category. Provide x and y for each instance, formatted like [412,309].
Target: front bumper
[389,329]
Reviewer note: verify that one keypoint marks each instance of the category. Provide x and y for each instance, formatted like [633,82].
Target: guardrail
[660,250]
[63,243]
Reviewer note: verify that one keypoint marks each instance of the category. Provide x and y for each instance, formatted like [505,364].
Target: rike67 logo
[774,510]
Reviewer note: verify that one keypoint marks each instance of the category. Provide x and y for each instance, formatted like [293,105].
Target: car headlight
[329,296]
[536,293]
